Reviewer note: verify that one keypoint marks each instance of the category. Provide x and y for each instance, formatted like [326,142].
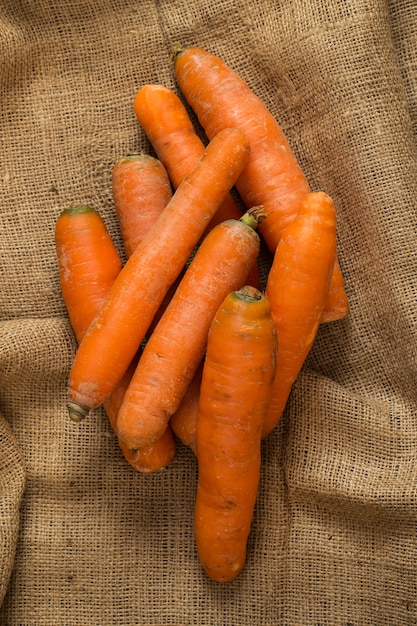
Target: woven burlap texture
[84,538]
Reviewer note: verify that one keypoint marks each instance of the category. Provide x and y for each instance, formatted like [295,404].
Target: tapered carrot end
[77,412]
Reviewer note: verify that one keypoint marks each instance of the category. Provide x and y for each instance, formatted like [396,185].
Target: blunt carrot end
[77,412]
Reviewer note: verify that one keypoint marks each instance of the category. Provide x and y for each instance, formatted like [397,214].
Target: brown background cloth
[84,539]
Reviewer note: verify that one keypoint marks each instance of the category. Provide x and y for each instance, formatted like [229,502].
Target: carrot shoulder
[236,384]
[297,289]
[176,346]
[88,265]
[117,331]
[170,130]
[273,176]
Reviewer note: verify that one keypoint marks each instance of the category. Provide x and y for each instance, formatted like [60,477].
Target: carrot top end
[248,294]
[77,412]
[176,49]
[76,209]
[254,216]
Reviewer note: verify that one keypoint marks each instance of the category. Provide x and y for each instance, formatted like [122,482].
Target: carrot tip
[77,412]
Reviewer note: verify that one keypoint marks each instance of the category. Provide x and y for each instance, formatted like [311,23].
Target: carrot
[184,421]
[176,346]
[170,130]
[88,265]
[236,384]
[297,288]
[141,190]
[119,327]
[151,458]
[273,176]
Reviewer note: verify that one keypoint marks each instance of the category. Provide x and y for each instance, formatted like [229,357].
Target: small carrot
[273,176]
[170,130]
[117,331]
[141,190]
[297,288]
[236,384]
[88,265]
[184,421]
[176,346]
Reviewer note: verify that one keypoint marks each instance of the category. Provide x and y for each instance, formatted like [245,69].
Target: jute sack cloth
[84,538]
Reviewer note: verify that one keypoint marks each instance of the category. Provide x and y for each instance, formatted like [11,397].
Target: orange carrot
[141,190]
[117,331]
[88,265]
[235,388]
[170,130]
[273,176]
[146,460]
[297,288]
[176,346]
[184,421]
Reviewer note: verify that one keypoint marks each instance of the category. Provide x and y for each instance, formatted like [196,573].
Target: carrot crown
[254,216]
[72,210]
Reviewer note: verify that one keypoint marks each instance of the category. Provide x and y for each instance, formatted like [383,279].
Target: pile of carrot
[179,342]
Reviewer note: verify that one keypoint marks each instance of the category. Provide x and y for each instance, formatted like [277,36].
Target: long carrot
[273,176]
[141,190]
[297,288]
[176,346]
[119,327]
[236,384]
[170,130]
[88,265]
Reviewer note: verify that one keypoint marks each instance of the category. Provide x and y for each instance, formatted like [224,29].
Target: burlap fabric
[84,538]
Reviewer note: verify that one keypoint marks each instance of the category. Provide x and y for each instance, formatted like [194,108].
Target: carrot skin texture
[119,327]
[273,176]
[170,130]
[176,347]
[141,190]
[236,384]
[184,421]
[297,289]
[88,264]
[82,241]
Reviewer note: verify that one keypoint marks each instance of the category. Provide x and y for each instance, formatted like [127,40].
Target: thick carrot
[176,346]
[141,190]
[117,331]
[297,288]
[184,421]
[88,265]
[273,176]
[170,130]
[236,384]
